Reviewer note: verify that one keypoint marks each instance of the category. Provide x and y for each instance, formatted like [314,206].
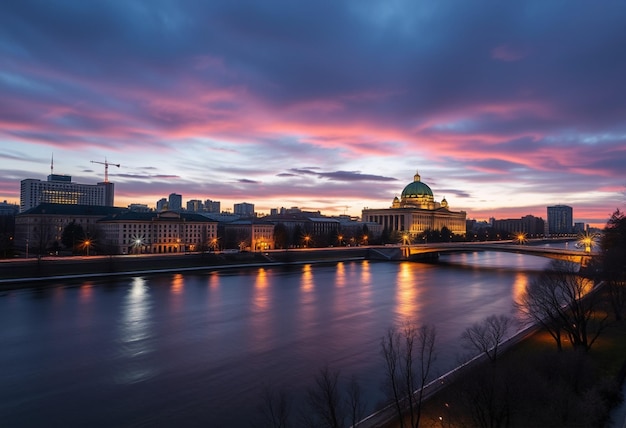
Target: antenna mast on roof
[52,165]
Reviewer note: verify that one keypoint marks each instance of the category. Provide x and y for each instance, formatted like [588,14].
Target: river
[198,349]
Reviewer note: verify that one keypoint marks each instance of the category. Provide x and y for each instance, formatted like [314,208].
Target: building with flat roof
[531,226]
[416,211]
[59,189]
[175,202]
[560,220]
[244,209]
[212,206]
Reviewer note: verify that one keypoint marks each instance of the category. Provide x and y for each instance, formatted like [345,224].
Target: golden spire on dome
[417,177]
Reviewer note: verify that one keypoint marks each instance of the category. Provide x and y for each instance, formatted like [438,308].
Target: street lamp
[86,244]
[340,239]
[137,245]
[587,240]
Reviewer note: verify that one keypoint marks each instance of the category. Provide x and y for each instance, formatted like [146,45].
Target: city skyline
[504,109]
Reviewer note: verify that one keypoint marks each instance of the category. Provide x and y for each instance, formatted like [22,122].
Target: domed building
[417,211]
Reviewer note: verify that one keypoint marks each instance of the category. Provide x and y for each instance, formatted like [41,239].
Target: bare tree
[325,400]
[274,411]
[562,301]
[390,349]
[486,336]
[409,354]
[354,402]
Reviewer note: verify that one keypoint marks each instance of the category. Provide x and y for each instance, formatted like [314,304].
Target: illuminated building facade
[253,235]
[41,227]
[157,233]
[59,189]
[416,212]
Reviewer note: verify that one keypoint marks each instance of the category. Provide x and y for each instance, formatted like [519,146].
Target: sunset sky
[504,107]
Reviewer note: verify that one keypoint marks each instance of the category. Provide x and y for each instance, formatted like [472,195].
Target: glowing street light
[137,244]
[307,238]
[520,238]
[406,240]
[340,239]
[86,245]
[587,241]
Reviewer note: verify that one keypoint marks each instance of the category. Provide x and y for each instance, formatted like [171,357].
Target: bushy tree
[613,261]
[281,236]
[73,235]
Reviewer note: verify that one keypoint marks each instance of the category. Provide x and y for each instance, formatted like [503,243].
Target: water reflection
[340,278]
[177,288]
[307,297]
[85,297]
[365,272]
[86,293]
[260,328]
[178,283]
[261,298]
[519,286]
[306,284]
[135,334]
[408,291]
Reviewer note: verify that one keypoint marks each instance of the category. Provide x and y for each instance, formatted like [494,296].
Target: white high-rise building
[59,189]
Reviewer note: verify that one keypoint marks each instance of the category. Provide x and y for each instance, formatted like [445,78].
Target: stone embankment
[20,271]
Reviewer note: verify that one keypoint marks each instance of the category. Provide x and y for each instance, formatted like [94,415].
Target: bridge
[432,251]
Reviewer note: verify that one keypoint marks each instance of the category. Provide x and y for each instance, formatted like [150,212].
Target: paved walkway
[618,415]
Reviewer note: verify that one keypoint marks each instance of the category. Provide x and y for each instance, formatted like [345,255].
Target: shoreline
[20,273]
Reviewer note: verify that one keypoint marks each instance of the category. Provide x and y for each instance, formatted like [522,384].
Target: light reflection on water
[135,335]
[408,292]
[189,349]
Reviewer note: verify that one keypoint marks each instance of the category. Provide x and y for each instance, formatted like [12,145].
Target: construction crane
[106,168]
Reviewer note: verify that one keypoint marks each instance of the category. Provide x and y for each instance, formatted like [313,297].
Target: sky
[504,108]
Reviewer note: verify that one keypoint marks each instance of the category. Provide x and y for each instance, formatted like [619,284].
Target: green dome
[417,189]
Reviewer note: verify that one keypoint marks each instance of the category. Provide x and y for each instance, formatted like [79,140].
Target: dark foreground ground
[534,385]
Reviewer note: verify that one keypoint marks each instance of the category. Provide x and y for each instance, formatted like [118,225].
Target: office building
[175,202]
[244,209]
[59,189]
[560,220]
[195,206]
[212,206]
[162,204]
